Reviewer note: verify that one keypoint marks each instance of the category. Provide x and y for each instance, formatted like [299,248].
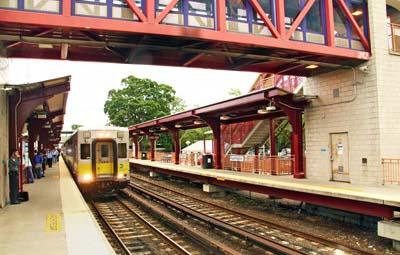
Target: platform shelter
[268,103]
[35,120]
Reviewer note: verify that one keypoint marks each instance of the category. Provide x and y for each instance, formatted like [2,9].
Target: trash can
[208,161]
[144,155]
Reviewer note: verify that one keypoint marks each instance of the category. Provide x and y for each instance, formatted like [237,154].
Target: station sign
[236,158]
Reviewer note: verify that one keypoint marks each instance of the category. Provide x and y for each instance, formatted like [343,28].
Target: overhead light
[45,46]
[262,111]
[134,133]
[163,128]
[41,116]
[151,130]
[271,108]
[198,122]
[312,66]
[357,13]
[141,132]
[224,117]
[178,126]
[47,126]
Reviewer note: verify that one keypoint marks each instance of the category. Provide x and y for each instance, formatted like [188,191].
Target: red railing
[259,164]
[391,171]
[394,38]
[237,133]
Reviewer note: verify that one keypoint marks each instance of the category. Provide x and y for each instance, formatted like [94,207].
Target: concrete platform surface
[56,220]
[388,195]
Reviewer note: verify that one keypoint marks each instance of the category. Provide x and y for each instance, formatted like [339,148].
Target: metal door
[340,157]
[104,158]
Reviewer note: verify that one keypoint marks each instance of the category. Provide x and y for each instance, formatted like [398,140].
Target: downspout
[20,189]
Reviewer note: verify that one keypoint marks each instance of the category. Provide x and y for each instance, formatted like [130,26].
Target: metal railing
[394,38]
[391,171]
[268,165]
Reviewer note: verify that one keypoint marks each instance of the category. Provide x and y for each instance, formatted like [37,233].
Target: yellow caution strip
[53,222]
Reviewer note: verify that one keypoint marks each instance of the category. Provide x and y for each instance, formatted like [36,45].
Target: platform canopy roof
[252,106]
[41,105]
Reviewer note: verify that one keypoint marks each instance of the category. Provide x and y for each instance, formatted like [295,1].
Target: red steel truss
[295,56]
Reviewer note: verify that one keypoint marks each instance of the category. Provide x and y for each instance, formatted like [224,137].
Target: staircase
[240,137]
[257,136]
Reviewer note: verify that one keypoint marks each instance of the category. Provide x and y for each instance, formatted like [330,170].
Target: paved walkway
[56,220]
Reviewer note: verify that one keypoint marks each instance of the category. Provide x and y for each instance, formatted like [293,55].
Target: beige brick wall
[371,118]
[3,135]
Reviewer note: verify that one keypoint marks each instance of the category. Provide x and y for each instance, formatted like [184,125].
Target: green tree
[76,126]
[193,135]
[140,100]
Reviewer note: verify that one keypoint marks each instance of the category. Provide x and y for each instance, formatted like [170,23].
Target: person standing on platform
[49,158]
[44,162]
[13,167]
[56,155]
[38,163]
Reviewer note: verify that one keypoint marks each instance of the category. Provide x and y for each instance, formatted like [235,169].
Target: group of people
[40,160]
[39,163]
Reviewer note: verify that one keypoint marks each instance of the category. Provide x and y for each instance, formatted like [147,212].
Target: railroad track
[136,232]
[274,237]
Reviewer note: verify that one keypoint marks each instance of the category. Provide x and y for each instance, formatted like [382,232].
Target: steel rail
[110,229]
[178,247]
[203,239]
[270,245]
[302,234]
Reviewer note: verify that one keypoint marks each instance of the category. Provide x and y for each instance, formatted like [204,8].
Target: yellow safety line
[53,222]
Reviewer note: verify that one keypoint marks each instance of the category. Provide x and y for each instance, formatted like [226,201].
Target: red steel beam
[150,11]
[80,22]
[264,18]
[280,17]
[300,17]
[221,15]
[353,22]
[66,8]
[355,206]
[167,9]
[132,5]
[330,24]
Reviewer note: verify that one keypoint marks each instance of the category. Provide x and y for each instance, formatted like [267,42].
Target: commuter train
[98,159]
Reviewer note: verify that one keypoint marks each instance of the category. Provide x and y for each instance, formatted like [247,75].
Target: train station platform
[56,220]
[380,201]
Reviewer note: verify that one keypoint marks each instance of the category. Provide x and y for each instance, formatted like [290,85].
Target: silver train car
[98,158]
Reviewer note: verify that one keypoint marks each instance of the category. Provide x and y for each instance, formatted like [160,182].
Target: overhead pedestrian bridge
[298,37]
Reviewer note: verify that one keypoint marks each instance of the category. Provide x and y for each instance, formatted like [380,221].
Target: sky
[91,82]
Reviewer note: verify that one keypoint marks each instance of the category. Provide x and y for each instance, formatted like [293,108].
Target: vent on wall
[335,92]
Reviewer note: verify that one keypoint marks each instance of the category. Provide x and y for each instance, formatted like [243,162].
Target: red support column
[152,148]
[177,147]
[295,119]
[215,126]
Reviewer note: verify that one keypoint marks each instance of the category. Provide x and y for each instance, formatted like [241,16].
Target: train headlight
[87,177]
[120,175]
